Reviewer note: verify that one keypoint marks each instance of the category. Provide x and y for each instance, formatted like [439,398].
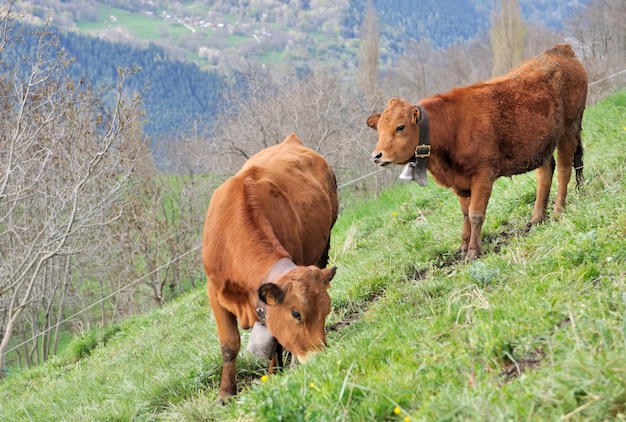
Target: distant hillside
[223,33]
[177,92]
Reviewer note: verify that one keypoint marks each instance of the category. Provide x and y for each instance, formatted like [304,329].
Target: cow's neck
[443,120]
[416,168]
[280,267]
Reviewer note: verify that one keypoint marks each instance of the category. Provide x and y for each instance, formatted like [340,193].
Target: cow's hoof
[536,220]
[220,402]
[472,254]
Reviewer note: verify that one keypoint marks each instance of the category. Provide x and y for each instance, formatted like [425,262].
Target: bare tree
[507,36]
[162,230]
[65,158]
[369,56]
[324,112]
[410,78]
[598,35]
[424,70]
[539,38]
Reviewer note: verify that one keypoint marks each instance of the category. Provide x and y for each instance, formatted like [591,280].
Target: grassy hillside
[534,330]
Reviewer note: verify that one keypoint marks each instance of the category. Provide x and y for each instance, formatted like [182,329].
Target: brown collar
[280,267]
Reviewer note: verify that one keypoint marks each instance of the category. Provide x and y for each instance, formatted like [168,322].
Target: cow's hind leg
[544,182]
[228,335]
[567,149]
[323,261]
[578,165]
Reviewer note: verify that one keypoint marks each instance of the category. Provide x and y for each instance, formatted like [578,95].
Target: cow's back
[515,121]
[286,194]
[558,72]
[570,78]
[302,185]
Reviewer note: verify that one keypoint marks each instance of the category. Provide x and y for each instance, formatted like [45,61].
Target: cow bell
[262,343]
[415,172]
[408,172]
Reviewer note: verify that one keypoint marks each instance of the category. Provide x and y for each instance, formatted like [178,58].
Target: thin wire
[137,281]
[608,77]
[362,177]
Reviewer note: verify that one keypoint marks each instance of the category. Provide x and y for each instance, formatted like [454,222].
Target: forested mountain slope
[177,91]
[447,22]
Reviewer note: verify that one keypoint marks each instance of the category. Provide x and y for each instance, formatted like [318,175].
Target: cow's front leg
[276,362]
[475,248]
[467,228]
[228,335]
[481,191]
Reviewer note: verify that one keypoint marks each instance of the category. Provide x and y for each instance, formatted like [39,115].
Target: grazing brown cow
[265,248]
[470,136]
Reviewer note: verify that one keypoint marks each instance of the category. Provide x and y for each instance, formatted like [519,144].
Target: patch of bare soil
[512,370]
[496,241]
[355,312]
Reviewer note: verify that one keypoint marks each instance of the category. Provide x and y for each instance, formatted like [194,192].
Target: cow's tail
[578,163]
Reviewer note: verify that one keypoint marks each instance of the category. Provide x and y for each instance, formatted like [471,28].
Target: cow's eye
[296,315]
[400,128]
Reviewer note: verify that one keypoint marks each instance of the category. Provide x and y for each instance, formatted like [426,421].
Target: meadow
[533,330]
[159,29]
[144,27]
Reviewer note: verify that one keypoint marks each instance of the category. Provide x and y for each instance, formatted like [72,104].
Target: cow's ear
[327,275]
[372,121]
[417,115]
[271,294]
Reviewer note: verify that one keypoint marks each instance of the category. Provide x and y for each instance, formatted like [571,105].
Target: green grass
[271,57]
[533,330]
[147,28]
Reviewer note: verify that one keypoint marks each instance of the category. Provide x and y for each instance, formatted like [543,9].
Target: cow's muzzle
[376,159]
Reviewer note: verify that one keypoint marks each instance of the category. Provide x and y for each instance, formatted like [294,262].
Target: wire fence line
[195,248]
[104,298]
[359,178]
[607,78]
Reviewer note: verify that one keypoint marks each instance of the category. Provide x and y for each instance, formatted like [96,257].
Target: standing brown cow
[265,248]
[470,136]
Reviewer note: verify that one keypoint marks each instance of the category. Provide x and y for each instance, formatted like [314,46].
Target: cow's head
[398,132]
[298,303]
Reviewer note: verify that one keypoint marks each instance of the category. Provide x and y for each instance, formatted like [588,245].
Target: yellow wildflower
[264,378]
